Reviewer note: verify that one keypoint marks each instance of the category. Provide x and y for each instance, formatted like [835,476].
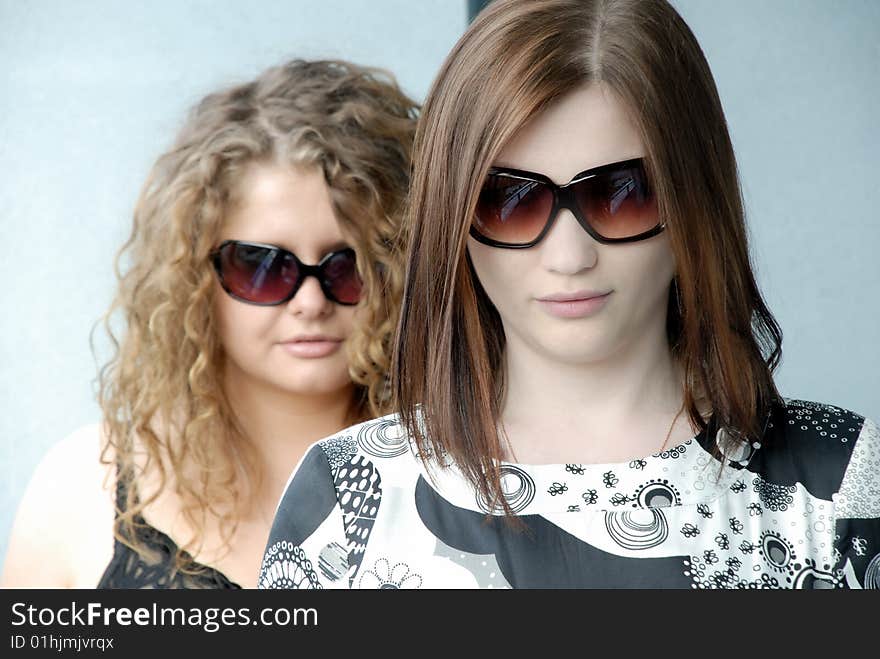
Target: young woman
[583,368]
[262,285]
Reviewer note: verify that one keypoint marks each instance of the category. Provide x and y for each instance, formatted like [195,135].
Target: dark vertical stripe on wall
[475,7]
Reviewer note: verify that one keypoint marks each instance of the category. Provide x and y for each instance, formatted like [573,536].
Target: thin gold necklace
[671,426]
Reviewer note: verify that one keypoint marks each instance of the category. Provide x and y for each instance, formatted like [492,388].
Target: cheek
[499,271]
[348,317]
[649,267]
[239,325]
[660,267]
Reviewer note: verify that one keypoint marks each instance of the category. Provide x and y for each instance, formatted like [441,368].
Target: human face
[570,298]
[298,346]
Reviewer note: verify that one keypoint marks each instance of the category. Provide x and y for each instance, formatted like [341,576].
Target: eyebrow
[336,245]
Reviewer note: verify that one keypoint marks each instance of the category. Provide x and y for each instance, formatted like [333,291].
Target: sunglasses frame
[563,197]
[305,271]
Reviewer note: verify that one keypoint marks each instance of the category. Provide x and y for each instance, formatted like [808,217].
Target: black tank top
[154,565]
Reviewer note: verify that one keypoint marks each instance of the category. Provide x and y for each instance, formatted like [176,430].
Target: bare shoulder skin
[63,532]
[62,536]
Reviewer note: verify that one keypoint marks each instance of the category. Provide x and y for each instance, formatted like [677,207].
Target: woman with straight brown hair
[583,369]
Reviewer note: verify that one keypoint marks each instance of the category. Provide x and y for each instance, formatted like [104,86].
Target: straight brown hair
[515,59]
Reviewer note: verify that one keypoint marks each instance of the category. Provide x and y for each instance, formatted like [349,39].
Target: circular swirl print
[637,529]
[657,494]
[777,552]
[384,439]
[518,489]
[811,578]
[286,566]
[872,574]
[339,450]
[773,495]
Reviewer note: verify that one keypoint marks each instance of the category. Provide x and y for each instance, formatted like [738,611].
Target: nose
[310,301]
[567,249]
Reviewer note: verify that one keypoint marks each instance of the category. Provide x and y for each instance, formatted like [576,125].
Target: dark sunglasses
[613,203]
[268,275]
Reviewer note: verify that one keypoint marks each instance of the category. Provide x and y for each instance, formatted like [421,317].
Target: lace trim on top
[154,565]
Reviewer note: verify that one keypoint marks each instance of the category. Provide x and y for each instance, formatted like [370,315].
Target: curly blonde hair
[161,393]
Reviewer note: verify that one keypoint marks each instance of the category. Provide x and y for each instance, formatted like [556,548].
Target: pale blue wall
[800,84]
[91,92]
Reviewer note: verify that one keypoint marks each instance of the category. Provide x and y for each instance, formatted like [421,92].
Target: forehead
[286,206]
[583,129]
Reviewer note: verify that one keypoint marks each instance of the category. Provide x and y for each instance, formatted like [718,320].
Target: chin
[319,386]
[577,350]
[320,371]
[579,358]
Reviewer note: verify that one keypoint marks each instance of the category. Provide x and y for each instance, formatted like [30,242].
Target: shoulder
[74,465]
[337,468]
[383,438]
[810,430]
[80,450]
[69,493]
[821,421]
[812,443]
[332,501]
[71,470]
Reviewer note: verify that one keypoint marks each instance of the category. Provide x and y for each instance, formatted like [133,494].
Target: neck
[605,410]
[281,425]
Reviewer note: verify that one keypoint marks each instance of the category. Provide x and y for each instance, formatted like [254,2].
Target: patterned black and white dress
[798,509]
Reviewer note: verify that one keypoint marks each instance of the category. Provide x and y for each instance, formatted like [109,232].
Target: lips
[576,296]
[313,346]
[306,338]
[579,304]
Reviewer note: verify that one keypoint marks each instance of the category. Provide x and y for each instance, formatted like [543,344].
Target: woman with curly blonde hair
[261,285]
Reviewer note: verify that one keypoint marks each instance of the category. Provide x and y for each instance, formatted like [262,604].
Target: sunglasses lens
[511,210]
[617,203]
[258,274]
[341,278]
